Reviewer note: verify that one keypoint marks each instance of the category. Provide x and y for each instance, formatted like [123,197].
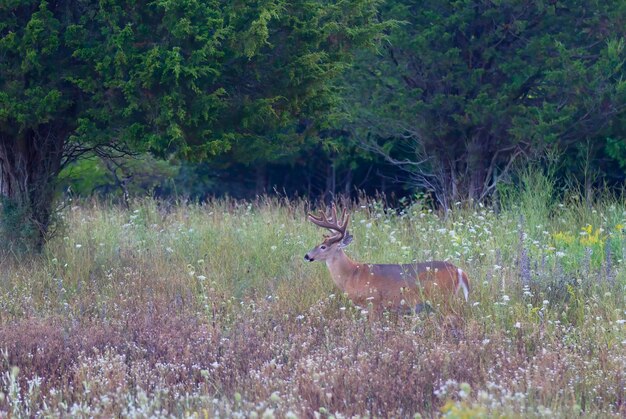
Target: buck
[399,287]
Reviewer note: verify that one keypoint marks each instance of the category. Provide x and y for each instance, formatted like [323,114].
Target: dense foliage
[194,78]
[308,98]
[465,88]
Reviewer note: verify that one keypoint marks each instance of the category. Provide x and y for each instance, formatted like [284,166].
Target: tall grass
[210,310]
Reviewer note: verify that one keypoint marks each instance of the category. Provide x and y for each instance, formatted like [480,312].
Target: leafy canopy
[193,77]
[464,86]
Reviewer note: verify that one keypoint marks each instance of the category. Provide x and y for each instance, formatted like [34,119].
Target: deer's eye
[323,247]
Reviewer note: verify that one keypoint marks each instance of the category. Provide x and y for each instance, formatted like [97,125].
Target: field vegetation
[204,310]
[113,304]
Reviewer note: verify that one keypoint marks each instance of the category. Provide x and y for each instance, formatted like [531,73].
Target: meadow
[205,310]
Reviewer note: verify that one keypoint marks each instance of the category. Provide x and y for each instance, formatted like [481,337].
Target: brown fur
[388,286]
[401,287]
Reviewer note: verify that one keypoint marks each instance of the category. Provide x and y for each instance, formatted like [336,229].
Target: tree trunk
[347,186]
[29,164]
[331,180]
[477,163]
[260,178]
[443,182]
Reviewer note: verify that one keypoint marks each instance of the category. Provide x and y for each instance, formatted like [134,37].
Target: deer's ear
[347,239]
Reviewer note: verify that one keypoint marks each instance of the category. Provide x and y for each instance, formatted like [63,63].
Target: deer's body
[393,286]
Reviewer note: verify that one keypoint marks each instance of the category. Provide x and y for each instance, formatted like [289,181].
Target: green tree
[465,87]
[195,78]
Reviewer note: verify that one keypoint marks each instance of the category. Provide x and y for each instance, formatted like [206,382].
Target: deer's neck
[341,268]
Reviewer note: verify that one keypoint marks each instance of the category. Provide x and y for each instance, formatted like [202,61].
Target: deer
[402,288]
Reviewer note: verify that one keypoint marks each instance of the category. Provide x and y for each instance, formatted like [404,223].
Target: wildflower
[561,237]
[546,302]
[589,237]
[518,325]
[466,389]
[275,397]
[201,277]
[78,246]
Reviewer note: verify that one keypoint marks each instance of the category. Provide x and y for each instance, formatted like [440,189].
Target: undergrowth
[210,310]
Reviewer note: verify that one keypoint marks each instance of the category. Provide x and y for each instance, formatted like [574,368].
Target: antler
[332,223]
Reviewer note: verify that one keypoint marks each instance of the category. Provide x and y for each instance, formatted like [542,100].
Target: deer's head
[338,239]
